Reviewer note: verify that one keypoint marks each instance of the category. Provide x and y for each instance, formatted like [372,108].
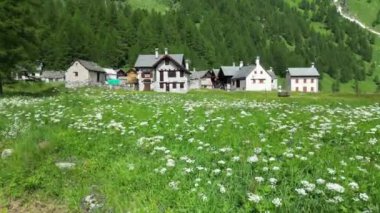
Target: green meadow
[96,150]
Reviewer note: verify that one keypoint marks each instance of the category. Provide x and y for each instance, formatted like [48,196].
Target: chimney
[166,51]
[241,64]
[233,64]
[156,53]
[257,60]
[271,69]
[187,64]
[312,64]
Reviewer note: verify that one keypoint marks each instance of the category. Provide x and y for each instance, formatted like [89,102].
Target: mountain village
[168,72]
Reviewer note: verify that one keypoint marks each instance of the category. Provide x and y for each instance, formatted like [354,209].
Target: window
[166,61]
[182,85]
[255,72]
[312,80]
[76,74]
[305,80]
[172,74]
[254,81]
[312,89]
[162,76]
[161,85]
[261,81]
[146,75]
[182,73]
[174,85]
[297,81]
[261,72]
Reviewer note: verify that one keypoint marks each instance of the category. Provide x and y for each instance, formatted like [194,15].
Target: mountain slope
[211,33]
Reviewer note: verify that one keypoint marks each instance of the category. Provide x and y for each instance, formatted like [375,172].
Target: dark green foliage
[17,35]
[211,33]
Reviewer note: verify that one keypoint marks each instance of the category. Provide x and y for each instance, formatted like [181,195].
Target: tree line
[209,32]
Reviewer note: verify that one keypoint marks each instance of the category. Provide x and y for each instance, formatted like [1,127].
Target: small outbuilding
[85,73]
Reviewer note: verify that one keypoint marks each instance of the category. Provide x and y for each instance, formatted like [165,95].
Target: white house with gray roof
[163,72]
[202,79]
[84,73]
[254,78]
[53,76]
[305,79]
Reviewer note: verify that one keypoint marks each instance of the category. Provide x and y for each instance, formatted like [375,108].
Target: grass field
[156,5]
[365,10]
[206,151]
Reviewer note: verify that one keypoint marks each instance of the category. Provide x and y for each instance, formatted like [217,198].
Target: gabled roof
[244,72]
[272,74]
[91,66]
[53,74]
[304,72]
[198,74]
[151,60]
[229,70]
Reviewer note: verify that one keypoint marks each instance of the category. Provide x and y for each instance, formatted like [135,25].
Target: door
[167,87]
[97,77]
[146,86]
[304,89]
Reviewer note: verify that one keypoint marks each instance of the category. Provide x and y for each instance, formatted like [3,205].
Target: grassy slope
[157,5]
[365,11]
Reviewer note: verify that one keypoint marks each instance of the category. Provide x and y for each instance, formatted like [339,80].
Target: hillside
[210,33]
[366,11]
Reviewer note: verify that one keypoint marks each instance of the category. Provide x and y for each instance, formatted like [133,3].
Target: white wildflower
[363,196]
[253,197]
[253,159]
[335,187]
[259,179]
[170,163]
[301,192]
[277,202]
[354,185]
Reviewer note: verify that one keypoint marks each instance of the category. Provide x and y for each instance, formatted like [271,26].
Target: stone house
[85,73]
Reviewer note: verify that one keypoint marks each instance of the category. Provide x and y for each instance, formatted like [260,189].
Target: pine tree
[17,36]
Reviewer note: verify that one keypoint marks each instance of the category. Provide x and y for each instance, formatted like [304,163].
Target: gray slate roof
[53,74]
[198,74]
[91,66]
[230,70]
[272,74]
[244,72]
[150,60]
[304,71]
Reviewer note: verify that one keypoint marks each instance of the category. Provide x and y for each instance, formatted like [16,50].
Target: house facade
[163,73]
[254,78]
[53,76]
[304,79]
[225,75]
[202,79]
[84,73]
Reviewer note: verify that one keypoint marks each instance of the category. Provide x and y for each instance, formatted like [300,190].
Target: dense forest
[210,32]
